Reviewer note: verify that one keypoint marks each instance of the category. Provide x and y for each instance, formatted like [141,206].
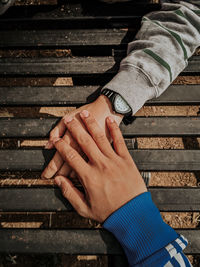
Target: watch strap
[111,94]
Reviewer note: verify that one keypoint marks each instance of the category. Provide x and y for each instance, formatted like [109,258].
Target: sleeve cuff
[133,85]
[139,228]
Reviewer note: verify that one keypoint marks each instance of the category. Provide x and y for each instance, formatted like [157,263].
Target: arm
[142,76]
[146,72]
[164,43]
[133,218]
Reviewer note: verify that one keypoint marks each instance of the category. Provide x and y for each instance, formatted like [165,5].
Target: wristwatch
[119,104]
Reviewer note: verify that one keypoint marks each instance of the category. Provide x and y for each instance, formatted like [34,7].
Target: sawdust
[21,224]
[175,179]
[181,219]
[168,143]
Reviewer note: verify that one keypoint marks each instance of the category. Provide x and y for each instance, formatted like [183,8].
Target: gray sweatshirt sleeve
[160,51]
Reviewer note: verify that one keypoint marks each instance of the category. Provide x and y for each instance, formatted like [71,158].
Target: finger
[72,157]
[118,140]
[65,170]
[57,162]
[84,139]
[53,166]
[75,197]
[97,133]
[57,132]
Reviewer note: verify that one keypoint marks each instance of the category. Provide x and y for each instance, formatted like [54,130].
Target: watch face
[120,105]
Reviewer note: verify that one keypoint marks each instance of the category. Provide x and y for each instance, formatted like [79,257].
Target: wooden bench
[97,36]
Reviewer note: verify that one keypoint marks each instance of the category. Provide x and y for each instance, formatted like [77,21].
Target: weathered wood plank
[73,241]
[72,66]
[141,126]
[86,8]
[63,38]
[80,21]
[147,159]
[77,95]
[51,199]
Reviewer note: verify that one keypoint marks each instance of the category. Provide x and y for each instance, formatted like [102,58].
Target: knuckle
[71,155]
[90,121]
[115,127]
[84,139]
[100,136]
[70,141]
[105,166]
[119,141]
[59,145]
[73,125]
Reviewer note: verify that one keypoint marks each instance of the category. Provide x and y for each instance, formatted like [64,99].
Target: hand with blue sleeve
[115,193]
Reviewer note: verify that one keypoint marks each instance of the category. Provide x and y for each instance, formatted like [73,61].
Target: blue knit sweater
[146,239]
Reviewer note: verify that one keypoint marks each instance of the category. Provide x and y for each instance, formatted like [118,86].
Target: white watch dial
[121,105]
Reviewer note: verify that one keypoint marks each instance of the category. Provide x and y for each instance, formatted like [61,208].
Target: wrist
[105,105]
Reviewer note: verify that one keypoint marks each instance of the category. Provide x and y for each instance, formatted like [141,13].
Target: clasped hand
[110,178]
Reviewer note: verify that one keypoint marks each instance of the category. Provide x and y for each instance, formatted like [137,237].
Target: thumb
[75,197]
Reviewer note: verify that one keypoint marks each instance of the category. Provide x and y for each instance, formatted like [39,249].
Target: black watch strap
[111,95]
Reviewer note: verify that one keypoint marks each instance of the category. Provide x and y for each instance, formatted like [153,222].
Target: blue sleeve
[146,239]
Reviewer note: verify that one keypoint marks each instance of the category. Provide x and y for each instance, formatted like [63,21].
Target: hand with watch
[108,103]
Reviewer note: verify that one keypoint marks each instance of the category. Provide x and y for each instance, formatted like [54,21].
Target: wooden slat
[66,22]
[141,126]
[86,8]
[178,95]
[75,241]
[147,159]
[77,95]
[48,96]
[68,38]
[72,66]
[64,38]
[50,199]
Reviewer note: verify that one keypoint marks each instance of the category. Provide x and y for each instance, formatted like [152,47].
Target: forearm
[158,54]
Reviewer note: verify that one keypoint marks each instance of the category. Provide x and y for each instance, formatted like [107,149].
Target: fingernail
[68,119]
[46,176]
[57,181]
[85,113]
[56,139]
[110,119]
[48,145]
